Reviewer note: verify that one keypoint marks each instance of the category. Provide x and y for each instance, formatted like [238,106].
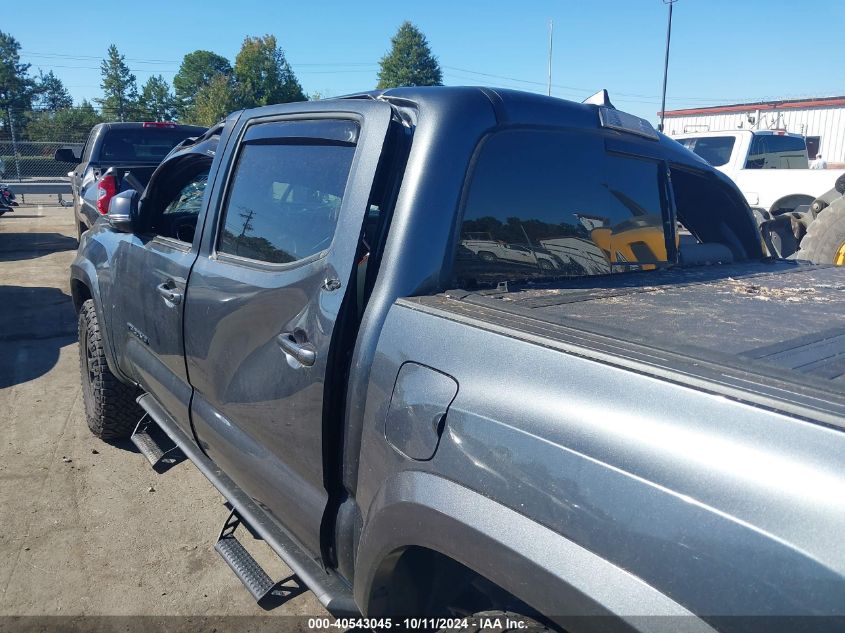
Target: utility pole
[247,227]
[14,142]
[551,35]
[666,64]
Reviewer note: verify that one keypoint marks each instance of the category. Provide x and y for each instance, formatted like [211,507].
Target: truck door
[153,268]
[265,293]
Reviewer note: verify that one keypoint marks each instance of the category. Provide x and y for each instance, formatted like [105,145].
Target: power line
[179,62]
[341,68]
[134,70]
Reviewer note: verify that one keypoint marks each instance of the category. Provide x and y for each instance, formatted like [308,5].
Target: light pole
[551,36]
[666,64]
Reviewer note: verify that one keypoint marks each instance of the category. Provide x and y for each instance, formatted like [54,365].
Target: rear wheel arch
[419,581]
[423,522]
[415,511]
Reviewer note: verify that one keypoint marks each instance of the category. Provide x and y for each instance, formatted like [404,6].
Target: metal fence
[32,161]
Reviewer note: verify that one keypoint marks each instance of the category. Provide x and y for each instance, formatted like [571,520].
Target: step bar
[158,448]
[329,588]
[267,593]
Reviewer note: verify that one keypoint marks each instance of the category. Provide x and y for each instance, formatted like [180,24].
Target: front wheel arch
[790,203]
[80,293]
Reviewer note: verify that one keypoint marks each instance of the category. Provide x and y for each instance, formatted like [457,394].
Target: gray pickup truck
[117,156]
[623,413]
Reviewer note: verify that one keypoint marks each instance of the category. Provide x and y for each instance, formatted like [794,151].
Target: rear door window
[287,189]
[544,203]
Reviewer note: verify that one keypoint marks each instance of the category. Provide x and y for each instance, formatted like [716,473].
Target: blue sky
[722,51]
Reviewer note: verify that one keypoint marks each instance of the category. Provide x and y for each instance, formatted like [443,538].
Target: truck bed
[774,327]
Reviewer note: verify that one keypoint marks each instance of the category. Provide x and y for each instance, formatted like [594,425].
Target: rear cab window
[550,203]
[139,144]
[716,150]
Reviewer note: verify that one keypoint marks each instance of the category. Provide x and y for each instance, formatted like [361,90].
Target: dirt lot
[88,527]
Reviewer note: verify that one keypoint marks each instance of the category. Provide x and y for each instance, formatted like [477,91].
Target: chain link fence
[29,139]
[27,161]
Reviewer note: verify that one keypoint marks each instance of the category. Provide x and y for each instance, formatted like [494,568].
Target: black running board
[329,588]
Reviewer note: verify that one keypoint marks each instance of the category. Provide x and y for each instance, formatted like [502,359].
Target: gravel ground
[88,528]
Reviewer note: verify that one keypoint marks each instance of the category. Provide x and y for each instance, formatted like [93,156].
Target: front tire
[824,242]
[110,407]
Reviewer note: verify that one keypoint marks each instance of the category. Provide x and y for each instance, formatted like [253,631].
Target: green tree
[214,101]
[17,88]
[120,91]
[68,125]
[52,93]
[196,72]
[263,75]
[410,61]
[156,102]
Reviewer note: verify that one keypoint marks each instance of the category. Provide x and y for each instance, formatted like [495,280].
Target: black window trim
[230,168]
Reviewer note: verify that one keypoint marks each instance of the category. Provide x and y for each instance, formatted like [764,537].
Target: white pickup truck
[769,167]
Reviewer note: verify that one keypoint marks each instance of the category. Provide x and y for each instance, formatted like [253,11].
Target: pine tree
[17,88]
[410,61]
[52,95]
[156,103]
[120,91]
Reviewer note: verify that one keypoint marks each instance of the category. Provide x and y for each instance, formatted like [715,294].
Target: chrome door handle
[171,296]
[304,352]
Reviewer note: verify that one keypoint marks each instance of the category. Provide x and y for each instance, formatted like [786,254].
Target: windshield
[140,144]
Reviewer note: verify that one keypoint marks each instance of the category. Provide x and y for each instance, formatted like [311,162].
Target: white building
[821,120]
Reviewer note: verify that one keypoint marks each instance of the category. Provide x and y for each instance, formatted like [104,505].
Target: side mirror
[66,155]
[123,211]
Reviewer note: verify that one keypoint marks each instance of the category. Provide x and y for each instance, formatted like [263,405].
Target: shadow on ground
[35,324]
[20,246]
